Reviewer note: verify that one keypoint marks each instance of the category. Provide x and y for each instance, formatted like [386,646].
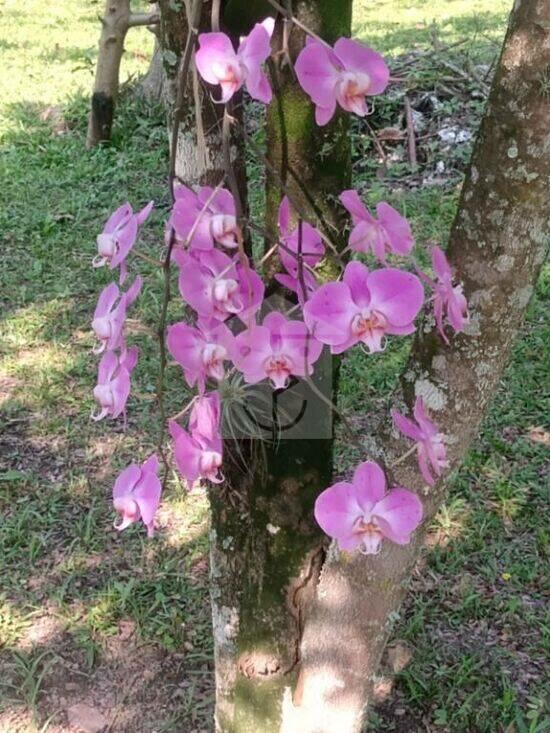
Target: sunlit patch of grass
[396,26]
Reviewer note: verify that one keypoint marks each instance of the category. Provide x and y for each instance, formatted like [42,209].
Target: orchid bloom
[198,453]
[136,494]
[218,62]
[312,250]
[430,447]
[365,306]
[276,350]
[217,286]
[360,514]
[390,233]
[449,300]
[118,237]
[344,75]
[201,352]
[210,218]
[109,315]
[113,382]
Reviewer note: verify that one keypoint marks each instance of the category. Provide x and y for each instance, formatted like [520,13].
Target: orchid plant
[223,292]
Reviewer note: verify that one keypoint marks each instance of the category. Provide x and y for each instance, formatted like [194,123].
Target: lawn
[123,624]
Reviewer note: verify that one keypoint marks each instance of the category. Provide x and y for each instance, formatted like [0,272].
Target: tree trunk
[497,247]
[199,158]
[115,24]
[116,21]
[266,550]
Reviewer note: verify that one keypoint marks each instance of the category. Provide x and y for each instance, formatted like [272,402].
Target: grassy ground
[123,624]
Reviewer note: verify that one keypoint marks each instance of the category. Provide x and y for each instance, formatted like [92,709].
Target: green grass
[70,585]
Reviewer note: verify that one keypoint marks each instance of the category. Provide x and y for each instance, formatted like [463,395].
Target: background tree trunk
[116,21]
[497,246]
[266,550]
[115,24]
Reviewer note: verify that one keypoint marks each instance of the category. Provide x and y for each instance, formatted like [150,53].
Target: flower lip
[107,245]
[279,368]
[213,356]
[365,323]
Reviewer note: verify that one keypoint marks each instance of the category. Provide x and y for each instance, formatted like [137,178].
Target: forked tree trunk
[266,550]
[497,246]
[116,21]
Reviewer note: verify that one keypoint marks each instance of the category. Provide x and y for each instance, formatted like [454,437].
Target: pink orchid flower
[217,286]
[209,222]
[118,237]
[218,62]
[344,75]
[449,300]
[109,315]
[430,447]
[276,350]
[365,306]
[113,382]
[201,352]
[312,249]
[390,233]
[199,453]
[360,514]
[136,494]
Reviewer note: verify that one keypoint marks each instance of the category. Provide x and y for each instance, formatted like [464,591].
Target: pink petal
[126,481]
[359,58]
[397,228]
[147,496]
[399,513]
[205,416]
[396,294]
[357,278]
[369,483]
[106,300]
[215,51]
[255,48]
[143,215]
[253,348]
[352,202]
[317,73]
[117,218]
[406,426]
[257,85]
[185,344]
[125,239]
[329,312]
[440,265]
[420,415]
[336,512]
[323,115]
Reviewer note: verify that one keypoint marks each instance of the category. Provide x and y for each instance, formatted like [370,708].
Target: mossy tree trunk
[266,550]
[497,245]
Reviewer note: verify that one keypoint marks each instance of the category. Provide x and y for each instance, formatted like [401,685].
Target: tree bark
[115,24]
[266,550]
[497,246]
[199,157]
[116,21]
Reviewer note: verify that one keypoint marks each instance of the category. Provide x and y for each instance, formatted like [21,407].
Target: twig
[411,142]
[183,75]
[140,19]
[300,259]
